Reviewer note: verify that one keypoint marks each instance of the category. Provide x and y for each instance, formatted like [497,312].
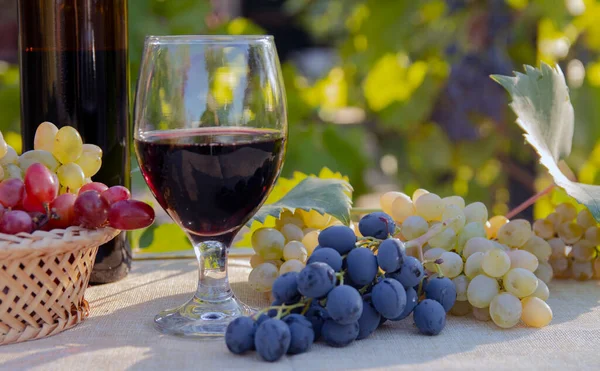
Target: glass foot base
[201,318]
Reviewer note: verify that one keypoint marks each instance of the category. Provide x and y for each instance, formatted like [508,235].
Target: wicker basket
[43,277]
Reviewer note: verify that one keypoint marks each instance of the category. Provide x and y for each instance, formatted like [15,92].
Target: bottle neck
[65,25]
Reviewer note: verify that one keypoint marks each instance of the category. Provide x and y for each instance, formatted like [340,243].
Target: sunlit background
[393,93]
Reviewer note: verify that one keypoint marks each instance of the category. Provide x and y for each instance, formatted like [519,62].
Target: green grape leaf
[325,196]
[544,111]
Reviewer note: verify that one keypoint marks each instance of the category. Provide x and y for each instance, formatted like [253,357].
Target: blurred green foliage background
[403,99]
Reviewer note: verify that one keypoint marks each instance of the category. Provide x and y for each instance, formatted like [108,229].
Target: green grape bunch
[499,267]
[574,238]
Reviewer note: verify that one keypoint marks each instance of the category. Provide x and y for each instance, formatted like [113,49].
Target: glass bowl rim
[206,39]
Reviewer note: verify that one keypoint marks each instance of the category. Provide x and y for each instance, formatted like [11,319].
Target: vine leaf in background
[544,111]
[325,196]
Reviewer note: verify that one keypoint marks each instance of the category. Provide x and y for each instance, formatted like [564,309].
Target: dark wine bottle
[74,71]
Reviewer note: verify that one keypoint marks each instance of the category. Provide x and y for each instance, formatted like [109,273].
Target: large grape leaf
[544,111]
[325,196]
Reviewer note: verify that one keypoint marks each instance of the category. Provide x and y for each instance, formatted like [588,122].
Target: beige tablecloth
[119,335]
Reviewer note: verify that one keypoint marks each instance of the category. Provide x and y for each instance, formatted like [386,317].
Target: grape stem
[366,241]
[437,263]
[283,310]
[530,201]
[432,232]
[340,276]
[364,289]
[262,311]
[420,289]
[305,309]
[369,243]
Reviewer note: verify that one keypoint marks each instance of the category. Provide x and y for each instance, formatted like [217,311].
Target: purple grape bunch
[345,292]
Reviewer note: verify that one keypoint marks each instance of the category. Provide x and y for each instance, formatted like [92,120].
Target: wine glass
[210,137]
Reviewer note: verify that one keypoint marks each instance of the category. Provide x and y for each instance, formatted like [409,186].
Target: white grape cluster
[285,247]
[574,239]
[61,151]
[499,267]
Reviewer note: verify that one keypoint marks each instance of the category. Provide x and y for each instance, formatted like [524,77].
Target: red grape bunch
[51,187]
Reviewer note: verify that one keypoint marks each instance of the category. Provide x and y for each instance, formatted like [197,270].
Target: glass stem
[213,284]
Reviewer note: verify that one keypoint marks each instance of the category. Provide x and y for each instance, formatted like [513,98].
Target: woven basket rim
[52,242]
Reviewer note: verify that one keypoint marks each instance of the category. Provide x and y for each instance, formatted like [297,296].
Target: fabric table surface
[119,334]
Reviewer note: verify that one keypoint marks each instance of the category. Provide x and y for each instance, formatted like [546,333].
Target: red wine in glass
[211,180]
